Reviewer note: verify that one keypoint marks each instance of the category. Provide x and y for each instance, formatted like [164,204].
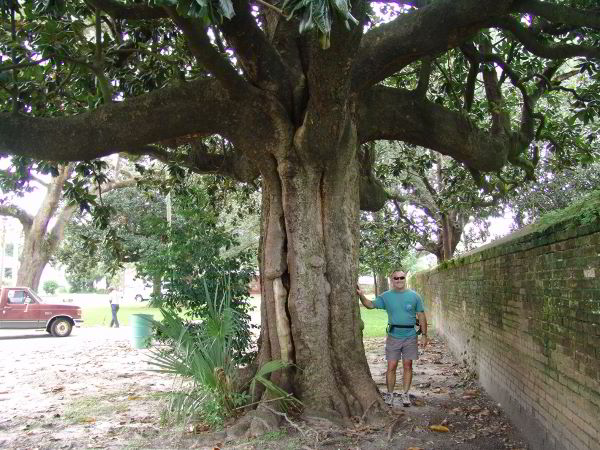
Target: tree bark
[310,312]
[37,250]
[382,283]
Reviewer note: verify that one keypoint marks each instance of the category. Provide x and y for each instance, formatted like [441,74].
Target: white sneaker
[405,399]
[388,399]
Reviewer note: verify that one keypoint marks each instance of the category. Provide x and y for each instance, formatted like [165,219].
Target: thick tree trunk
[310,311]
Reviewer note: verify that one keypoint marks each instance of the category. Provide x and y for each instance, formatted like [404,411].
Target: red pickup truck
[22,308]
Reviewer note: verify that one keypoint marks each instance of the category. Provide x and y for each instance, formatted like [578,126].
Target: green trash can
[141,330]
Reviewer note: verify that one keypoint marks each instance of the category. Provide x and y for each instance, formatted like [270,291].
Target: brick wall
[524,314]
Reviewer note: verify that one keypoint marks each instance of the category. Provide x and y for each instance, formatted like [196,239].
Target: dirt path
[92,390]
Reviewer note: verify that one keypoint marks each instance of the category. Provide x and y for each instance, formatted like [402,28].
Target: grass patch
[375,321]
[88,409]
[101,315]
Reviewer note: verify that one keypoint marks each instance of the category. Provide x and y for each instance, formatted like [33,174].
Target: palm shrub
[204,360]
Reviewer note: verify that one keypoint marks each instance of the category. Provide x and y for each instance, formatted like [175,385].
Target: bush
[205,359]
[50,287]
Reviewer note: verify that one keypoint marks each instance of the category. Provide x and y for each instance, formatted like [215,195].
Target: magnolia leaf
[226,8]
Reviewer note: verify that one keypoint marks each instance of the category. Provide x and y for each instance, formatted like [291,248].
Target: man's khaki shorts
[401,348]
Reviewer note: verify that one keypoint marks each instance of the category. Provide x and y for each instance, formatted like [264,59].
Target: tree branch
[205,53]
[396,114]
[540,48]
[200,107]
[560,13]
[257,56]
[22,65]
[18,213]
[234,164]
[424,77]
[428,31]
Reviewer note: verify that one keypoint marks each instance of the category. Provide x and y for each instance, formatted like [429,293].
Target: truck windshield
[36,297]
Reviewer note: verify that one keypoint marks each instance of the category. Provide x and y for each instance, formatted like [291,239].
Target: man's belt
[391,327]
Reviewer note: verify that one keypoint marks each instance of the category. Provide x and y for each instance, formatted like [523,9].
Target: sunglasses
[399,278]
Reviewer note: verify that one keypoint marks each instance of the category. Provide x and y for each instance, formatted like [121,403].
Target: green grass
[100,315]
[375,321]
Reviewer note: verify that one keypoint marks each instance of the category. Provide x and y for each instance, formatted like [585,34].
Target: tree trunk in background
[37,246]
[382,283]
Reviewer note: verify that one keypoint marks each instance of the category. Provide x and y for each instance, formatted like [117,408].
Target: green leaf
[226,8]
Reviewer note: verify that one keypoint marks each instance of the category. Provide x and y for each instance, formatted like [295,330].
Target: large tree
[43,231]
[292,99]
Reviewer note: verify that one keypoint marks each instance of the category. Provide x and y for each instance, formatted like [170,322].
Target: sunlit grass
[375,321]
[100,315]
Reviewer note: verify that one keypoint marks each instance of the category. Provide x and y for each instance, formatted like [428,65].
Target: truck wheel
[139,298]
[61,328]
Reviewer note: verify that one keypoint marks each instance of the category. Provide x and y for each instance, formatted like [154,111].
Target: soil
[93,390]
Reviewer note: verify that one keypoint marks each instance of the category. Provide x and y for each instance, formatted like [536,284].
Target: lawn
[375,321]
[100,315]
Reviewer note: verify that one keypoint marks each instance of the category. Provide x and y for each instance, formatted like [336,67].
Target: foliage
[552,191]
[384,242]
[585,211]
[50,287]
[205,359]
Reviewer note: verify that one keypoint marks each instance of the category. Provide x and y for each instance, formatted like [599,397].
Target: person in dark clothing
[114,306]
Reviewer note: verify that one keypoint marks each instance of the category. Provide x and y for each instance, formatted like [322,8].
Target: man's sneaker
[388,399]
[405,399]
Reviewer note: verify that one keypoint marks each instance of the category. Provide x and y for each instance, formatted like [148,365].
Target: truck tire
[61,328]
[139,298]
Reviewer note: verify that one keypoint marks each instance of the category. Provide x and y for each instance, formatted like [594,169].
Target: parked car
[22,308]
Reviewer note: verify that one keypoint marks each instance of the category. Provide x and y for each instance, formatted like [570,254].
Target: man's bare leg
[407,380]
[390,376]
[407,374]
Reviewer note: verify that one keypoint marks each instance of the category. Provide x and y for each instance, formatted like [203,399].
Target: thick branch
[387,113]
[425,32]
[234,164]
[200,107]
[205,53]
[560,13]
[540,48]
[19,214]
[259,59]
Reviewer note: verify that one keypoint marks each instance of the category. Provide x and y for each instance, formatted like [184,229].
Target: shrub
[205,360]
[50,287]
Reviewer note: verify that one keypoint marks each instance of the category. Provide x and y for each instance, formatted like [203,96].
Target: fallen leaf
[417,402]
[134,397]
[415,448]
[88,420]
[58,389]
[440,428]
[471,392]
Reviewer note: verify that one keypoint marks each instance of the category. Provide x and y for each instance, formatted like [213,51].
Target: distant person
[113,299]
[402,306]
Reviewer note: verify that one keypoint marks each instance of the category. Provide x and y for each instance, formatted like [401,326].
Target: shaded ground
[92,390]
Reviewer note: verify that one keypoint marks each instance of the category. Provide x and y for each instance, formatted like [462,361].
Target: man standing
[403,306]
[114,306]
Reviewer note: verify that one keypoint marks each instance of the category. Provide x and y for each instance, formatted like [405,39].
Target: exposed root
[392,426]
